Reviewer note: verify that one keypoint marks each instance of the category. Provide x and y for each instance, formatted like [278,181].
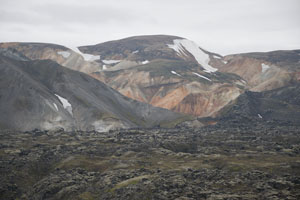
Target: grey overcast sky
[221,26]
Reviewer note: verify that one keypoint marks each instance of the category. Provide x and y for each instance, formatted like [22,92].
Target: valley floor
[216,162]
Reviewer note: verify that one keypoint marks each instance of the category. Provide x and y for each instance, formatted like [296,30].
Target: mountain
[175,73]
[68,57]
[264,70]
[172,72]
[42,94]
[281,105]
[168,72]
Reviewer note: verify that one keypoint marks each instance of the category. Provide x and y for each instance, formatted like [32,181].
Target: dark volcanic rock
[214,162]
[275,106]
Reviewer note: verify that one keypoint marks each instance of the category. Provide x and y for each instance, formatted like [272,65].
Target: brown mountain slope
[168,72]
[265,71]
[60,54]
[175,85]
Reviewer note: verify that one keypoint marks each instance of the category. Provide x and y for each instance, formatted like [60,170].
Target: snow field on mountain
[66,104]
[182,45]
[65,54]
[264,67]
[86,57]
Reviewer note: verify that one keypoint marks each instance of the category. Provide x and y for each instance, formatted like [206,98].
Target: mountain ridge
[174,73]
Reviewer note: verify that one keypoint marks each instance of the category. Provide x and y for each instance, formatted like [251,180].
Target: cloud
[221,26]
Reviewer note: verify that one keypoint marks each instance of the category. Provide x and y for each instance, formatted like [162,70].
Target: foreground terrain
[214,162]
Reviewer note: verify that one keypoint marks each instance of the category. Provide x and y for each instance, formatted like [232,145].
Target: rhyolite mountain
[264,70]
[173,72]
[42,94]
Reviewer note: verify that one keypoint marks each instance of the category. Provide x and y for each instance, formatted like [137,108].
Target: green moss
[135,120]
[86,196]
[132,181]
[235,168]
[173,123]
[89,164]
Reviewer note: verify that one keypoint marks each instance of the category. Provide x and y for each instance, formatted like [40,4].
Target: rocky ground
[214,162]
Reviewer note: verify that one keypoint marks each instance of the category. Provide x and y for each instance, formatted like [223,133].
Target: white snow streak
[173,72]
[201,76]
[259,116]
[145,62]
[109,62]
[180,45]
[66,104]
[55,106]
[134,52]
[217,57]
[65,54]
[264,67]
[86,57]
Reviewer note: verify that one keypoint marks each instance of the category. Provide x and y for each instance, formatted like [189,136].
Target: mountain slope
[264,71]
[175,85]
[68,57]
[138,50]
[168,72]
[42,94]
[279,105]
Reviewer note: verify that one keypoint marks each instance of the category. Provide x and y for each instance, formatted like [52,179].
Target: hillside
[42,94]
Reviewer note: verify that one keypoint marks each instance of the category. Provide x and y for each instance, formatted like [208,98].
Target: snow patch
[145,62]
[65,54]
[134,52]
[86,57]
[224,61]
[104,67]
[66,104]
[259,116]
[180,45]
[264,67]
[55,106]
[109,62]
[201,76]
[217,57]
[173,72]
